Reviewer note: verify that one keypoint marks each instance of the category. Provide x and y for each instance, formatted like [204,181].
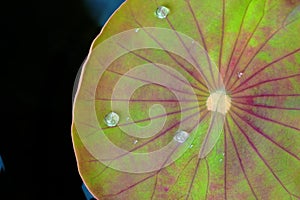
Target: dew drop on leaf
[135,141]
[111,119]
[240,74]
[162,12]
[181,136]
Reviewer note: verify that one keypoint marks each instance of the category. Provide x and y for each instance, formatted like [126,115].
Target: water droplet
[223,154]
[111,119]
[135,141]
[181,136]
[162,12]
[221,160]
[191,146]
[240,74]
[137,30]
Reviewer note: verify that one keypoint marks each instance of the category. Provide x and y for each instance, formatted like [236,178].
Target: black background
[42,48]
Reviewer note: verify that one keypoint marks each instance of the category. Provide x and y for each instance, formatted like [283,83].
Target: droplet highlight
[162,12]
[137,30]
[135,141]
[221,160]
[111,119]
[181,136]
[240,74]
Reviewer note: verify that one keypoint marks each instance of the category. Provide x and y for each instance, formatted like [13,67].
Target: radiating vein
[209,85]
[150,82]
[240,160]
[142,120]
[265,106]
[254,56]
[193,179]
[257,130]
[264,95]
[156,137]
[172,57]
[263,68]
[150,100]
[267,119]
[208,178]
[202,38]
[200,120]
[225,164]
[222,34]
[144,179]
[174,76]
[154,117]
[246,44]
[158,171]
[262,46]
[260,156]
[235,43]
[264,82]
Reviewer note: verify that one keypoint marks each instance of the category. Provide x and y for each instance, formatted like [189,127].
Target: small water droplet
[223,154]
[221,160]
[181,136]
[162,12]
[135,141]
[191,146]
[137,30]
[111,119]
[240,74]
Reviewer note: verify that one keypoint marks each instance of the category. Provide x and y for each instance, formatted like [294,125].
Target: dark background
[69,42]
[42,48]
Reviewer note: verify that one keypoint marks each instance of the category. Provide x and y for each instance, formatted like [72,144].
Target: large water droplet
[162,12]
[111,119]
[240,74]
[181,136]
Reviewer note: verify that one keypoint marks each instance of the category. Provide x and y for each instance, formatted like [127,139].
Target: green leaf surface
[245,52]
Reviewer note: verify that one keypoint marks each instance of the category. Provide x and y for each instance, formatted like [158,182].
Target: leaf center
[219,101]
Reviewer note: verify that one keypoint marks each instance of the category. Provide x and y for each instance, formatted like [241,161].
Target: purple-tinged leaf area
[253,154]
